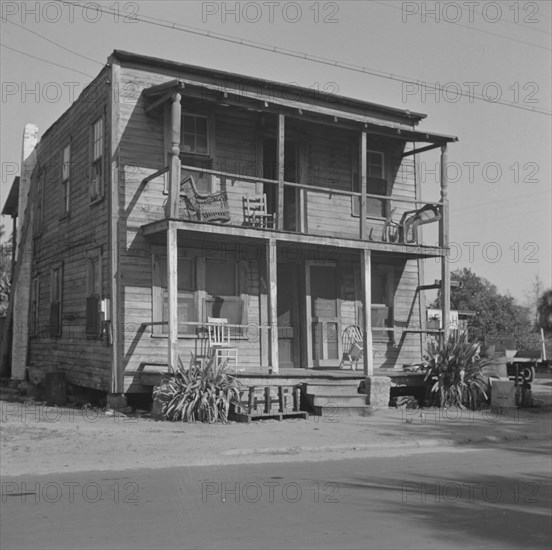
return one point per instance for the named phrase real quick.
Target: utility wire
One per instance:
(55, 43)
(473, 28)
(429, 87)
(45, 60)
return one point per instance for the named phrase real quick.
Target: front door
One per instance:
(323, 315)
(288, 317)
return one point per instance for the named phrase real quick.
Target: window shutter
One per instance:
(55, 319)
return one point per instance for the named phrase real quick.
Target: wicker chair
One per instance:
(205, 207)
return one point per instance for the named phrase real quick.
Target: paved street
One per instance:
(463, 497)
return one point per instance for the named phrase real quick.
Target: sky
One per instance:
(479, 70)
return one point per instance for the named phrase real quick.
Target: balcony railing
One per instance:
(294, 207)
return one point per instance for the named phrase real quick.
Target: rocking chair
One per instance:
(206, 207)
(406, 231)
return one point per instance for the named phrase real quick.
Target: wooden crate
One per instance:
(268, 402)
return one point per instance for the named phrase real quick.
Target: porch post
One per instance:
(174, 166)
(363, 181)
(444, 243)
(281, 158)
(272, 284)
(366, 290)
(172, 285)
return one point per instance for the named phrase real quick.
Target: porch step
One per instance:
(337, 400)
(333, 389)
(333, 414)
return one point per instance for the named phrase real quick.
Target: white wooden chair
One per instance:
(255, 211)
(220, 346)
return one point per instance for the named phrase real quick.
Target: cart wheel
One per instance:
(527, 374)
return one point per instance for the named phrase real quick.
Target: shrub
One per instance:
(201, 392)
(455, 372)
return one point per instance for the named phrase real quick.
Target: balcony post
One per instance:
(366, 290)
(444, 243)
(280, 154)
(363, 180)
(272, 284)
(174, 166)
(172, 286)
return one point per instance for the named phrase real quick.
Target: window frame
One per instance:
(66, 176)
(34, 305)
(56, 291)
(198, 294)
(38, 221)
(97, 161)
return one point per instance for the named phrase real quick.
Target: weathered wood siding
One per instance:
(70, 240)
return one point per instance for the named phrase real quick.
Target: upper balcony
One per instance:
(212, 201)
(342, 175)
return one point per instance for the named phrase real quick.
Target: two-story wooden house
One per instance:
(169, 194)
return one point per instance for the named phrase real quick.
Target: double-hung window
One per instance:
(65, 180)
(376, 184)
(56, 297)
(97, 168)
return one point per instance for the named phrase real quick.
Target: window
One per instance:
(194, 134)
(39, 203)
(382, 299)
(222, 291)
(56, 289)
(376, 184)
(65, 179)
(96, 172)
(35, 295)
(383, 296)
(187, 296)
(93, 296)
(205, 289)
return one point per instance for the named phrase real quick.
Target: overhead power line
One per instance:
(55, 43)
(45, 60)
(429, 87)
(473, 28)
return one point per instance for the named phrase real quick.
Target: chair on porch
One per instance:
(255, 212)
(205, 207)
(353, 346)
(406, 231)
(220, 346)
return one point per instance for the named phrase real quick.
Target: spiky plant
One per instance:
(201, 392)
(455, 372)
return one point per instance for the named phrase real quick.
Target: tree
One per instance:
(544, 312)
(5, 273)
(496, 314)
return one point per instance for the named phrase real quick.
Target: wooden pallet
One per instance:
(259, 403)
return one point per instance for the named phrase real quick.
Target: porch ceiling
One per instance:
(318, 113)
(198, 230)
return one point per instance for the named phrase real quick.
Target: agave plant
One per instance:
(455, 370)
(201, 392)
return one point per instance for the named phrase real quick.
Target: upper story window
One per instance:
(195, 134)
(39, 203)
(97, 172)
(65, 180)
(56, 293)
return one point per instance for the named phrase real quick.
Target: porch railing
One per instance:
(305, 208)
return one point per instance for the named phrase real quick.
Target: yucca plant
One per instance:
(455, 372)
(201, 392)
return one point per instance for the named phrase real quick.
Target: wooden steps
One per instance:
(335, 398)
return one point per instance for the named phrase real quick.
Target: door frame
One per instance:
(308, 315)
